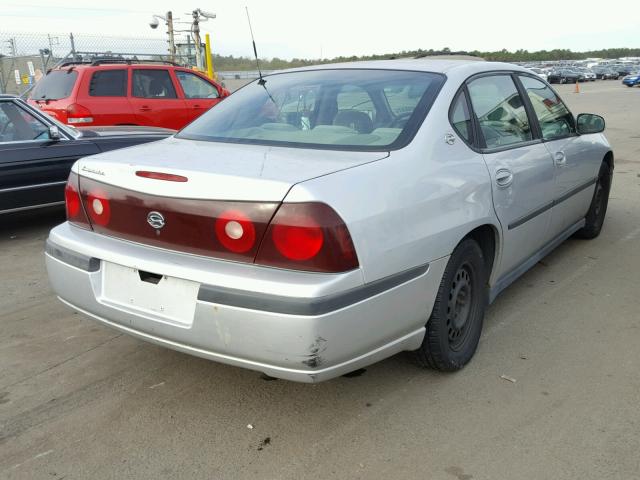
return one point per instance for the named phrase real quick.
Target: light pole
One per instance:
(199, 16)
(168, 20)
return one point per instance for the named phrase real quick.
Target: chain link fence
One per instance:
(26, 57)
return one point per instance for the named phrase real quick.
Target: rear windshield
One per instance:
(56, 85)
(330, 109)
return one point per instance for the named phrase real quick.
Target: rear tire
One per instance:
(453, 330)
(594, 219)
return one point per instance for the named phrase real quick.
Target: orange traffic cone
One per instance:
(577, 90)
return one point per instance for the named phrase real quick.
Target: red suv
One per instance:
(121, 93)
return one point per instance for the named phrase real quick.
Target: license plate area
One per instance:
(150, 294)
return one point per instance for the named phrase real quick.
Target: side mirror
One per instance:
(590, 123)
(54, 133)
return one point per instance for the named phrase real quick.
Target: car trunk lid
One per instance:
(218, 171)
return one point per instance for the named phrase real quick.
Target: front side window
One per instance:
(346, 108)
(556, 121)
(155, 84)
(500, 111)
(17, 125)
(195, 87)
(460, 117)
(108, 83)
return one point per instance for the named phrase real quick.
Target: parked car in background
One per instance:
(589, 75)
(605, 73)
(565, 75)
(632, 79)
(36, 153)
(539, 72)
(115, 92)
(623, 70)
(325, 218)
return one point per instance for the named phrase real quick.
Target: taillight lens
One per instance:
(308, 236)
(235, 231)
(73, 202)
(78, 114)
(98, 207)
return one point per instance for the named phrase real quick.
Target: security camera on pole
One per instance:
(168, 19)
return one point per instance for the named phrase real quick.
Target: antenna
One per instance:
(262, 81)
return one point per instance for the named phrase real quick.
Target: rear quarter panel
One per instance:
(412, 207)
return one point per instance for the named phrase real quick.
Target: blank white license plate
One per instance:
(171, 298)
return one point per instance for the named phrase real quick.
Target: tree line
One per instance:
(229, 62)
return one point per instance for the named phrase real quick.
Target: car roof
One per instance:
(462, 68)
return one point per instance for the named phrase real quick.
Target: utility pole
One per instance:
(172, 43)
(195, 28)
(199, 16)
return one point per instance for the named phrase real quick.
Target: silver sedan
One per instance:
(322, 219)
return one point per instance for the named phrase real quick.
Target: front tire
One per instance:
(453, 330)
(594, 219)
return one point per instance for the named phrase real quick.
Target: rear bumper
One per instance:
(293, 325)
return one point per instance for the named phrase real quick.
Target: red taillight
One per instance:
(235, 231)
(98, 207)
(300, 241)
(308, 236)
(78, 114)
(73, 202)
(169, 177)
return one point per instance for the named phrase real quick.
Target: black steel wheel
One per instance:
(454, 327)
(594, 220)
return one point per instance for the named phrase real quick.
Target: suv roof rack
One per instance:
(94, 62)
(129, 61)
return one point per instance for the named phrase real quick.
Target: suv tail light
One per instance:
(308, 236)
(73, 202)
(77, 113)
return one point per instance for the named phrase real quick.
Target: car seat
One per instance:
(358, 121)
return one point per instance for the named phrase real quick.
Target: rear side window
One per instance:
(196, 87)
(153, 84)
(556, 121)
(108, 83)
(56, 85)
(461, 118)
(500, 111)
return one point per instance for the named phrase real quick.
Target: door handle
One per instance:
(145, 108)
(559, 158)
(504, 177)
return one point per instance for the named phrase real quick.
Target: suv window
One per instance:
(108, 83)
(17, 125)
(500, 111)
(196, 87)
(153, 84)
(460, 117)
(555, 119)
(56, 85)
